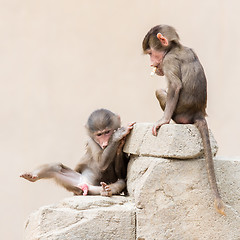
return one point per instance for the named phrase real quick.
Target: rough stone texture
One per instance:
(181, 141)
(91, 217)
(174, 200)
(169, 198)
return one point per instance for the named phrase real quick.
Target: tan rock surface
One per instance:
(181, 141)
(170, 199)
(90, 217)
(174, 201)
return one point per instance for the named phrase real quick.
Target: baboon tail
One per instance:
(218, 203)
(202, 126)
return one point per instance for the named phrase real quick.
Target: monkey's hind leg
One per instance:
(29, 176)
(114, 188)
(44, 171)
(161, 96)
(64, 176)
(106, 190)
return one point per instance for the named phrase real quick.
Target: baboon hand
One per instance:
(123, 132)
(158, 124)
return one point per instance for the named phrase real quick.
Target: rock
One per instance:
(90, 217)
(174, 200)
(170, 199)
(176, 141)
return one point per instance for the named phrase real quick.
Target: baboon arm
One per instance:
(173, 76)
(108, 155)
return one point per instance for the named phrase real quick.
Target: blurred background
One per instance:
(60, 60)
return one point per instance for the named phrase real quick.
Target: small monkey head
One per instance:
(101, 125)
(157, 42)
(160, 37)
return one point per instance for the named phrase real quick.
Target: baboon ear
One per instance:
(162, 39)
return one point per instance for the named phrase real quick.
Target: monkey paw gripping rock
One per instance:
(170, 199)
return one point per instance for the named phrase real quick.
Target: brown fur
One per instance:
(103, 169)
(186, 98)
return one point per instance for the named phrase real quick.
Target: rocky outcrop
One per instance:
(173, 199)
(91, 217)
(176, 141)
(169, 195)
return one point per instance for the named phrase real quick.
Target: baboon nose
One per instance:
(104, 145)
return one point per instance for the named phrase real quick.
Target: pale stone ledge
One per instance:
(178, 141)
(88, 217)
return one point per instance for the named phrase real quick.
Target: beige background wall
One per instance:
(60, 60)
